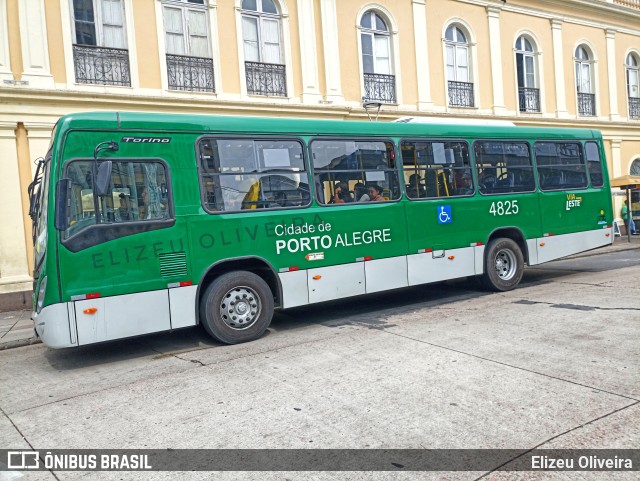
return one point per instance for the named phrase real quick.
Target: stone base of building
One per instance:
(14, 301)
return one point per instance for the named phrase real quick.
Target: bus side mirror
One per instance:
(103, 178)
(62, 204)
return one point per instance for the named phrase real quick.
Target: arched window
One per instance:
(459, 83)
(635, 167)
(188, 49)
(528, 91)
(379, 81)
(584, 81)
(633, 85)
(264, 62)
(100, 41)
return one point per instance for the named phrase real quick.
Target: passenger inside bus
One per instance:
(415, 187)
(465, 187)
(360, 192)
(341, 194)
(375, 193)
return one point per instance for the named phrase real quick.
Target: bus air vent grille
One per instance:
(173, 264)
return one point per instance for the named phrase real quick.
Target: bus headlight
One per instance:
(41, 291)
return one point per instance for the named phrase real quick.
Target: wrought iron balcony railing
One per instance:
(101, 65)
(628, 3)
(193, 74)
(634, 107)
(460, 94)
(380, 87)
(529, 99)
(267, 79)
(586, 104)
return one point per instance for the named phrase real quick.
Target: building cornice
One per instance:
(18, 106)
(591, 9)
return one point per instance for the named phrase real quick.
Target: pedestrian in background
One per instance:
(627, 217)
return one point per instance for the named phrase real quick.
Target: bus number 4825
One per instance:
(507, 207)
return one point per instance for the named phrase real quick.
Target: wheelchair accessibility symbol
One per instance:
(444, 214)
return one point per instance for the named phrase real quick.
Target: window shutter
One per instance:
(383, 64)
(462, 61)
(173, 28)
(586, 78)
(197, 27)
(367, 53)
(530, 78)
(250, 37)
(633, 83)
(112, 24)
(451, 63)
(271, 39)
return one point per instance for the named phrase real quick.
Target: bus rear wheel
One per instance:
(503, 265)
(236, 307)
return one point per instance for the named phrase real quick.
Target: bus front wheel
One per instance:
(236, 307)
(503, 265)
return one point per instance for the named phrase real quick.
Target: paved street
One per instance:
(553, 364)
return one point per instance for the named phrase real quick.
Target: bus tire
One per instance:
(503, 265)
(236, 307)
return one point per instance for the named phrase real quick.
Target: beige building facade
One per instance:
(560, 63)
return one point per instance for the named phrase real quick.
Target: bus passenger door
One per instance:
(441, 214)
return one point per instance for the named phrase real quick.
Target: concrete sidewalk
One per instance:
(16, 327)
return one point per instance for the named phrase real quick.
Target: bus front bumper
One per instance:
(52, 326)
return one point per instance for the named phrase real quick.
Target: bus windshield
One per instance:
(38, 196)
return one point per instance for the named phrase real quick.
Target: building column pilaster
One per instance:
(14, 268)
(35, 48)
(331, 52)
(5, 60)
(493, 16)
(610, 36)
(616, 157)
(422, 54)
(308, 52)
(558, 63)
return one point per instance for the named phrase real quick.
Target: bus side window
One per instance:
(246, 174)
(594, 164)
(504, 167)
(345, 170)
(444, 166)
(560, 165)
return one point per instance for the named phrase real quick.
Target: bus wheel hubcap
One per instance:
(505, 264)
(240, 308)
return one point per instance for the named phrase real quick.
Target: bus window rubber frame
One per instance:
(97, 234)
(403, 171)
(581, 143)
(218, 136)
(396, 169)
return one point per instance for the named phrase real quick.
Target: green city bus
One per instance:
(152, 222)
